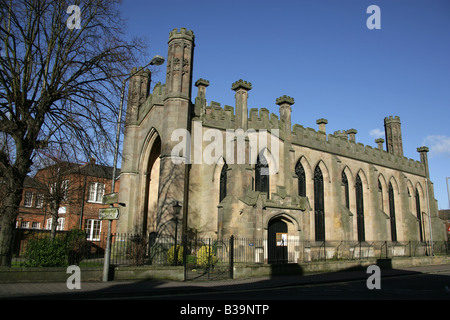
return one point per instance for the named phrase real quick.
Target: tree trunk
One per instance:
(54, 214)
(8, 218)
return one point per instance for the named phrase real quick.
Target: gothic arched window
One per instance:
(300, 172)
(419, 215)
(392, 213)
(319, 213)
(346, 192)
(380, 189)
(360, 209)
(223, 182)
(262, 175)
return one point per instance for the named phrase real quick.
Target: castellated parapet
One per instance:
(183, 33)
(341, 142)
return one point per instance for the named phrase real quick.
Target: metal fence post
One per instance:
(231, 257)
(184, 244)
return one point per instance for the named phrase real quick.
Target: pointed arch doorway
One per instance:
(150, 220)
(277, 241)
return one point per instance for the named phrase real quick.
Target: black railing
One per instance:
(217, 256)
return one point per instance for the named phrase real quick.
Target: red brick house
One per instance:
(82, 187)
(445, 215)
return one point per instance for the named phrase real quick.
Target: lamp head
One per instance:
(176, 208)
(157, 60)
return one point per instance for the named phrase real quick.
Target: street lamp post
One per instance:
(448, 192)
(176, 212)
(156, 60)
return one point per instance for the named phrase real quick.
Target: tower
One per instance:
(176, 117)
(393, 133)
(139, 88)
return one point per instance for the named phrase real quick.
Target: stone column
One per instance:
(379, 142)
(322, 122)
(351, 133)
(241, 88)
(285, 103)
(424, 159)
(200, 100)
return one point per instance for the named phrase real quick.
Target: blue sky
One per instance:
(321, 53)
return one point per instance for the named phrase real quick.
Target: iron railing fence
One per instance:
(194, 253)
(298, 251)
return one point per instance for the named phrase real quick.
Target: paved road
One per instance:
(402, 287)
(411, 283)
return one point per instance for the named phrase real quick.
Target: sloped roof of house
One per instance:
(86, 169)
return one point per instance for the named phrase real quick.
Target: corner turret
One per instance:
(393, 132)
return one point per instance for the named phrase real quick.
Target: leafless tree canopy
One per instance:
(60, 70)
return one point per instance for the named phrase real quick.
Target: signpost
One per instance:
(109, 214)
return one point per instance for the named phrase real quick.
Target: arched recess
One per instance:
(347, 192)
(277, 241)
(422, 203)
(383, 194)
(294, 225)
(360, 203)
(148, 220)
(394, 183)
(308, 176)
(281, 227)
(219, 187)
(319, 204)
(393, 209)
(363, 178)
(322, 202)
(325, 172)
(301, 179)
(262, 172)
(411, 197)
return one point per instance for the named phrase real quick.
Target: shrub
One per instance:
(137, 249)
(77, 245)
(47, 252)
(206, 257)
(171, 255)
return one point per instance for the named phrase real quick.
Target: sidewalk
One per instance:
(101, 290)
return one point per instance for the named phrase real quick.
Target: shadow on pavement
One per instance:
(345, 284)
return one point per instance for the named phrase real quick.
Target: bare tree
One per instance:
(60, 183)
(60, 69)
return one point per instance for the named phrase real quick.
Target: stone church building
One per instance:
(320, 186)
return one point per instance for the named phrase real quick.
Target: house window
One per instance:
(39, 200)
(65, 189)
(92, 228)
(96, 191)
(60, 225)
(28, 199)
(25, 225)
(35, 225)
